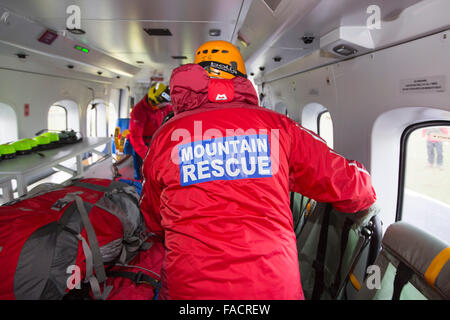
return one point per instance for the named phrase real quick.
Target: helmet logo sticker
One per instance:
(221, 97)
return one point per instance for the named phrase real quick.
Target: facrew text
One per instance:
(226, 309)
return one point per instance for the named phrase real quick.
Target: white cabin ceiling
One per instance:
(321, 17)
(116, 27)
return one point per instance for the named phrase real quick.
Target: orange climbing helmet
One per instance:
(221, 59)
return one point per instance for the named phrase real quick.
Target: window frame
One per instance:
(91, 122)
(403, 156)
(319, 116)
(65, 110)
(16, 121)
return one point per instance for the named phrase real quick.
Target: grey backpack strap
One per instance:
(92, 253)
(92, 237)
(93, 281)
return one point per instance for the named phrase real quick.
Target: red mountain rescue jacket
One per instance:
(217, 181)
(145, 120)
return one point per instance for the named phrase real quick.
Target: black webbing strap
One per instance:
(306, 214)
(403, 275)
(319, 262)
(222, 67)
(344, 241)
(136, 277)
(291, 200)
(296, 212)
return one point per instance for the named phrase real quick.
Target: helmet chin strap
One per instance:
(152, 104)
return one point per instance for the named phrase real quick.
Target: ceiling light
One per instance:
(21, 55)
(344, 50)
(308, 38)
(82, 49)
(214, 32)
(277, 59)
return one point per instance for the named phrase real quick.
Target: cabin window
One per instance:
(325, 127)
(101, 119)
(424, 197)
(57, 118)
(112, 119)
(8, 124)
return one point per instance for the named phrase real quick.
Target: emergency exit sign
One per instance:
(48, 37)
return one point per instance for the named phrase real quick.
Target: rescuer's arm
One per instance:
(150, 197)
(319, 173)
(137, 125)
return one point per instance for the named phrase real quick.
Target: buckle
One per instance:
(138, 278)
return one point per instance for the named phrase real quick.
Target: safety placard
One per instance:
(436, 84)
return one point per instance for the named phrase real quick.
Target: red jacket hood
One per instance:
(192, 88)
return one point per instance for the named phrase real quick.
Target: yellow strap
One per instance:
(355, 282)
(436, 266)
(308, 208)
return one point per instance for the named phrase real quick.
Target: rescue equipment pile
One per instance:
(44, 141)
(88, 236)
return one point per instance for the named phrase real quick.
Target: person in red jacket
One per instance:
(146, 117)
(434, 142)
(217, 179)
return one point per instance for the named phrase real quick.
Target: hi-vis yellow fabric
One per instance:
(436, 266)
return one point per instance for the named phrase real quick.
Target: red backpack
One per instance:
(51, 241)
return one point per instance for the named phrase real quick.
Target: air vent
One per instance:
(272, 4)
(158, 32)
(179, 57)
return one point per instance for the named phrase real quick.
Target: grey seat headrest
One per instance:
(426, 255)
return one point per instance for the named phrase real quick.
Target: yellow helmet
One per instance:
(221, 59)
(159, 93)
